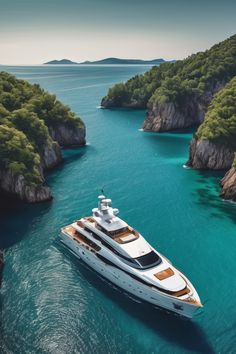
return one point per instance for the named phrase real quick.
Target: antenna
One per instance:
(102, 191)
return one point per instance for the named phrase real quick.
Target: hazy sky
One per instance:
(32, 32)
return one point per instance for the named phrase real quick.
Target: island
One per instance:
(196, 91)
(109, 61)
(117, 61)
(61, 62)
(34, 126)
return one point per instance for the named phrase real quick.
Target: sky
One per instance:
(33, 32)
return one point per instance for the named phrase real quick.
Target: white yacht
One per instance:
(120, 254)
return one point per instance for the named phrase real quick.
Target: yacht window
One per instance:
(148, 260)
(86, 240)
(99, 227)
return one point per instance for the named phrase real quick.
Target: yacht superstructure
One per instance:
(120, 254)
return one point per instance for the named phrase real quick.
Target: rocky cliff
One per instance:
(205, 154)
(16, 185)
(214, 144)
(117, 103)
(228, 184)
(66, 135)
(50, 156)
(168, 116)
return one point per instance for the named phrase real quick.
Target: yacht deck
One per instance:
(126, 236)
(120, 237)
(81, 239)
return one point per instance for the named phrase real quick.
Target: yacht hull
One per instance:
(128, 284)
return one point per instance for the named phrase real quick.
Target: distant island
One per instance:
(109, 61)
(125, 61)
(61, 62)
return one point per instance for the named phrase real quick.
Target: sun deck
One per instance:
(123, 236)
(80, 238)
(126, 236)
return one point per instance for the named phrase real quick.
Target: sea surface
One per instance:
(51, 303)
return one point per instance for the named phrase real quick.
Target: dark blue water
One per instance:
(50, 302)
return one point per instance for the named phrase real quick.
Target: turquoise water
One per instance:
(53, 304)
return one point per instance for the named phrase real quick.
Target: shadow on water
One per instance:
(184, 333)
(69, 156)
(23, 213)
(208, 195)
(168, 144)
(8, 203)
(173, 133)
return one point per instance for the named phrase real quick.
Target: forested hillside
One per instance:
(220, 121)
(29, 120)
(177, 94)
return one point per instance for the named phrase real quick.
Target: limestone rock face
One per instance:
(50, 156)
(205, 154)
(67, 136)
(228, 184)
(16, 185)
(167, 116)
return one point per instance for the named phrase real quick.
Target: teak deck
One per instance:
(119, 237)
(164, 274)
(81, 238)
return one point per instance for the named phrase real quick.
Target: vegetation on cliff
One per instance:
(214, 144)
(220, 120)
(177, 82)
(18, 154)
(27, 113)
